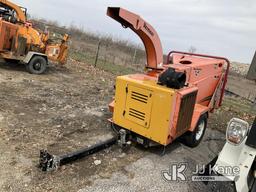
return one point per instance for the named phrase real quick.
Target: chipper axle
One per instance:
(50, 162)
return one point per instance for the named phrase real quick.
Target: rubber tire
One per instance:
(253, 189)
(37, 59)
(189, 138)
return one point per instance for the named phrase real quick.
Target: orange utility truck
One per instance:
(21, 42)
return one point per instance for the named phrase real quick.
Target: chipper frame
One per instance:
(169, 100)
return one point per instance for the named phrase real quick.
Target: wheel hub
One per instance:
(37, 66)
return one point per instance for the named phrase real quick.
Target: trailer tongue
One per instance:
(48, 162)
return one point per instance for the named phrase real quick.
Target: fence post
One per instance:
(254, 104)
(134, 56)
(97, 54)
(114, 58)
(105, 56)
(125, 60)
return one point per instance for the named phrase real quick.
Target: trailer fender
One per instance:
(198, 112)
(31, 54)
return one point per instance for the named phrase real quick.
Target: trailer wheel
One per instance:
(37, 65)
(193, 139)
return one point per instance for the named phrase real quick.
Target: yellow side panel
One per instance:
(144, 108)
(138, 105)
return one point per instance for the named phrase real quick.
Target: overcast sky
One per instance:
(218, 27)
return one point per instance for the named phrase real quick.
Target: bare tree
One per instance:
(192, 49)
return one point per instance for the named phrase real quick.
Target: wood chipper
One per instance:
(20, 42)
(170, 100)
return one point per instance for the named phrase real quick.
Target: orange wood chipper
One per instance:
(20, 42)
(170, 100)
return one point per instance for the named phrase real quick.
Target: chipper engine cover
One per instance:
(170, 99)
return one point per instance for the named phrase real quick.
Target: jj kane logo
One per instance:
(178, 172)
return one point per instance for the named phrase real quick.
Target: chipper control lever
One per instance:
(48, 162)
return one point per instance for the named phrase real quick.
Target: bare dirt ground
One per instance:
(66, 109)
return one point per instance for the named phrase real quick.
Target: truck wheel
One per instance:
(193, 139)
(37, 65)
(254, 186)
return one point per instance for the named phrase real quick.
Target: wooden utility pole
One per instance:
(252, 71)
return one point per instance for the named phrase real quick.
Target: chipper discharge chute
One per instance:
(170, 100)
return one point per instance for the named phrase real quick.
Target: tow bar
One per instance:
(48, 162)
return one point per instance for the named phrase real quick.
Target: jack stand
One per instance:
(164, 150)
(50, 162)
(122, 142)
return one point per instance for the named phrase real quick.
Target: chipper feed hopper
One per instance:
(21, 42)
(170, 100)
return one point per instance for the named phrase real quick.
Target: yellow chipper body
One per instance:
(140, 105)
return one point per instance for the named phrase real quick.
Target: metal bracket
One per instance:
(122, 142)
(48, 162)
